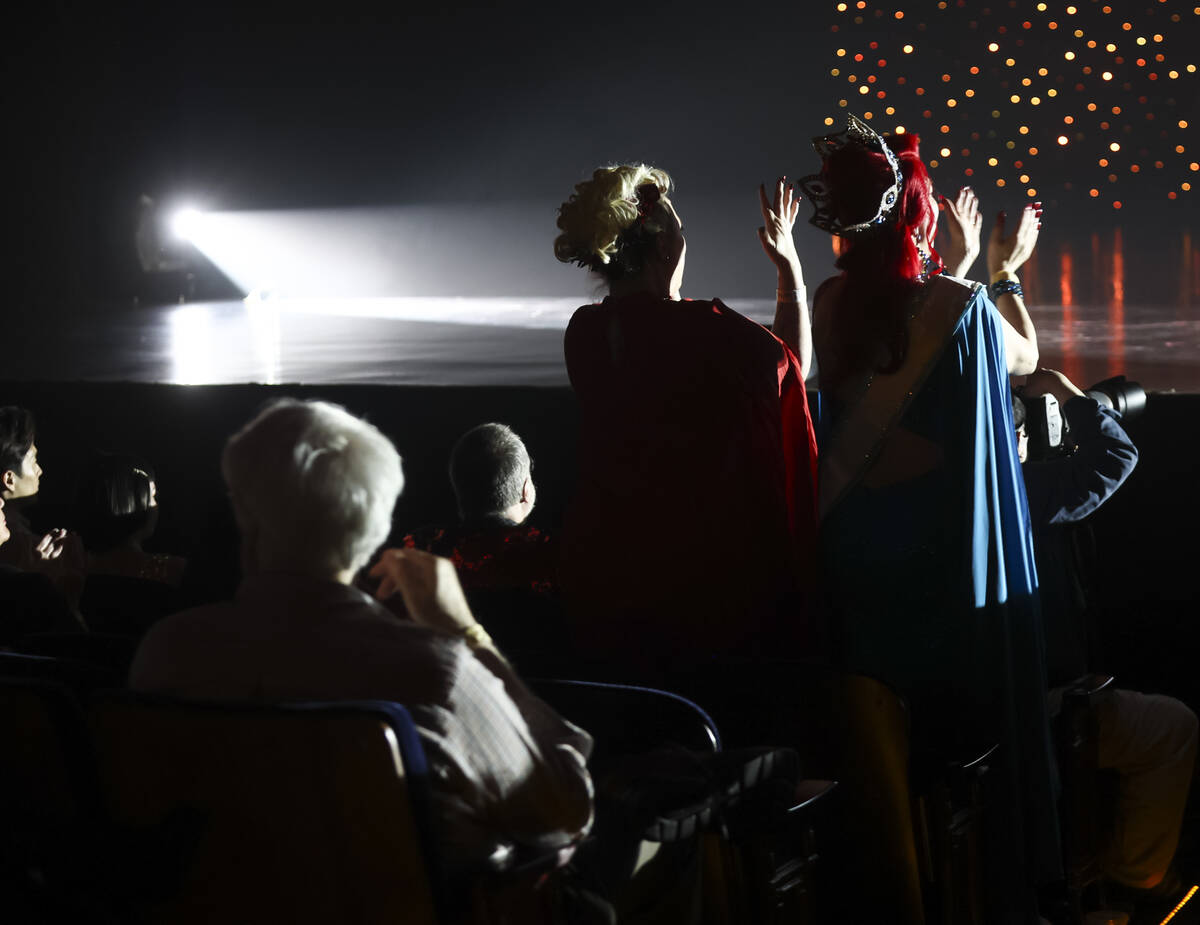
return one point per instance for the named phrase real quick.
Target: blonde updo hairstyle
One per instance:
(610, 222)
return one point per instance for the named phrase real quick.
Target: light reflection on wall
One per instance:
(226, 342)
(1116, 312)
(1070, 356)
(192, 345)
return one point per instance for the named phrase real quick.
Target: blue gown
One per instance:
(933, 587)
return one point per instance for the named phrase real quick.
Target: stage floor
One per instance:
(488, 342)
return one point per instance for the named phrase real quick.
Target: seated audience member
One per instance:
(58, 553)
(127, 588)
(313, 489)
(492, 546)
(1148, 739)
(30, 602)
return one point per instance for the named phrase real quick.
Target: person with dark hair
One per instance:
(21, 479)
(30, 602)
(691, 532)
(1149, 740)
(925, 537)
(117, 509)
(493, 546)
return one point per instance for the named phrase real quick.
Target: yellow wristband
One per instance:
(477, 637)
(1003, 274)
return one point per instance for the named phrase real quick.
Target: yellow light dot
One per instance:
(995, 113)
(1035, 100)
(829, 120)
(899, 129)
(951, 103)
(945, 152)
(1009, 62)
(1024, 130)
(1185, 186)
(1025, 81)
(907, 49)
(1173, 74)
(1070, 56)
(1014, 99)
(1078, 33)
(992, 162)
(1191, 69)
(1141, 40)
(1183, 123)
(1051, 92)
(841, 7)
(836, 72)
(993, 47)
(1110, 47)
(1114, 147)
(1062, 139)
(864, 89)
(1031, 192)
(1010, 145)
(1024, 178)
(1041, 7)
(969, 93)
(1107, 75)
(1071, 11)
(1091, 107)
(1042, 72)
(841, 52)
(891, 110)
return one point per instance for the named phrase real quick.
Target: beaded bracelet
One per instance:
(1006, 287)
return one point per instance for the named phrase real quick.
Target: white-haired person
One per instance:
(691, 532)
(313, 489)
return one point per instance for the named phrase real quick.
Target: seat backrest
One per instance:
(626, 719)
(47, 776)
(298, 813)
(80, 676)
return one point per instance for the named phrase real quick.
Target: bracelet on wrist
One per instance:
(1006, 287)
(477, 637)
(1003, 274)
(790, 295)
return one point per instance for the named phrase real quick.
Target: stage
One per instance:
(494, 342)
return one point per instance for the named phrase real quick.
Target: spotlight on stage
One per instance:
(185, 223)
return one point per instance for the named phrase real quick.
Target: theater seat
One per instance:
(268, 813)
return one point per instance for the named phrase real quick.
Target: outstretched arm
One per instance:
(792, 325)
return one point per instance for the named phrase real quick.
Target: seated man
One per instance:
(313, 489)
(493, 546)
(1149, 740)
(20, 478)
(30, 602)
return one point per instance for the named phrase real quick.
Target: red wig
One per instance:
(883, 268)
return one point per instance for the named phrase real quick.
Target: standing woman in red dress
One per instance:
(691, 533)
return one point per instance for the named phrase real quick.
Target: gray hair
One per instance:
(488, 468)
(316, 483)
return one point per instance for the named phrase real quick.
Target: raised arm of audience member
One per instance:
(1069, 488)
(791, 325)
(553, 804)
(1006, 255)
(964, 223)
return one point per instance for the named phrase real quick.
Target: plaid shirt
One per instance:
(504, 767)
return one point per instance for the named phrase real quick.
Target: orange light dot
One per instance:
(1103, 162)
(1183, 123)
(1033, 152)
(969, 93)
(1116, 203)
(974, 69)
(1000, 182)
(1193, 166)
(944, 129)
(1185, 186)
(1069, 120)
(951, 103)
(1171, 195)
(1031, 192)
(1179, 149)
(1093, 193)
(1134, 168)
(829, 120)
(899, 14)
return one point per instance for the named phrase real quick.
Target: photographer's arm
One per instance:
(1067, 490)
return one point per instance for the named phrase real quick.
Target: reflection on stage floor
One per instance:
(486, 342)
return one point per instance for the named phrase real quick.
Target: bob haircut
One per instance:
(315, 484)
(115, 501)
(16, 437)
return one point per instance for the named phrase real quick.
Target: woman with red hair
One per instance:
(925, 540)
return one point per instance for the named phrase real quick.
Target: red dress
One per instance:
(694, 515)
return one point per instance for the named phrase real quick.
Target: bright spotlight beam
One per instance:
(185, 223)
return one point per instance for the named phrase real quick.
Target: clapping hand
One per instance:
(964, 222)
(429, 585)
(1008, 253)
(776, 232)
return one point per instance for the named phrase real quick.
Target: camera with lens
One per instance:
(1047, 428)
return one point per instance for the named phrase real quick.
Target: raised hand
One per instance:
(1008, 253)
(964, 222)
(429, 585)
(776, 232)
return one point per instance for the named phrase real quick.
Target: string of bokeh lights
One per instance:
(1064, 99)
